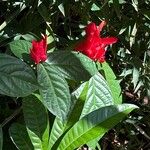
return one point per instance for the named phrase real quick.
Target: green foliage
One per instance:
(21, 138)
(72, 65)
(17, 78)
(100, 120)
(98, 95)
(20, 47)
(113, 83)
(54, 91)
(36, 121)
(81, 99)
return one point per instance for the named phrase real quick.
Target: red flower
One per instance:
(38, 50)
(94, 45)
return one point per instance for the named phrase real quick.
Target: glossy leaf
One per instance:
(1, 138)
(20, 47)
(113, 83)
(54, 90)
(20, 138)
(98, 95)
(72, 65)
(16, 78)
(37, 124)
(94, 124)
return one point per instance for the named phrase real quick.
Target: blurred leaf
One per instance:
(44, 12)
(133, 34)
(100, 120)
(61, 8)
(135, 76)
(20, 47)
(17, 78)
(11, 17)
(72, 65)
(20, 138)
(117, 8)
(54, 90)
(37, 124)
(95, 7)
(1, 138)
(113, 83)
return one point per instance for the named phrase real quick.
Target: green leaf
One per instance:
(20, 138)
(77, 104)
(78, 100)
(98, 95)
(61, 8)
(93, 125)
(72, 65)
(20, 47)
(94, 142)
(57, 130)
(95, 7)
(37, 124)
(54, 90)
(17, 79)
(113, 83)
(1, 138)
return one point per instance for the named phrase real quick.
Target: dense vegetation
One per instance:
(63, 21)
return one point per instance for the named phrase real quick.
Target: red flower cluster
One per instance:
(38, 50)
(94, 45)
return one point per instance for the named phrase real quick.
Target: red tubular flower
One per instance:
(93, 45)
(38, 50)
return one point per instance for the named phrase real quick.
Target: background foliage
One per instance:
(64, 21)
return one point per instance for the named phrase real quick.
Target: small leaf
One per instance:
(20, 138)
(72, 65)
(113, 83)
(133, 34)
(95, 7)
(20, 48)
(61, 8)
(54, 90)
(135, 75)
(17, 79)
(93, 125)
(37, 124)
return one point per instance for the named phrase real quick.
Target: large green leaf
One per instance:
(36, 119)
(54, 90)
(98, 95)
(16, 78)
(113, 83)
(93, 125)
(72, 65)
(20, 138)
(20, 47)
(1, 138)
(59, 127)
